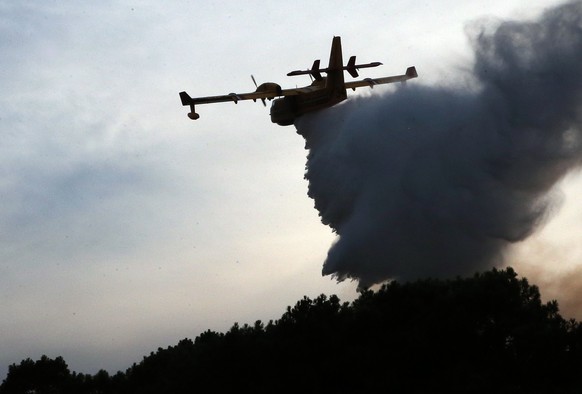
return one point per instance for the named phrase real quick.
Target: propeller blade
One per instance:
(257, 86)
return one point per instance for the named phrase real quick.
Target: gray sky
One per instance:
(124, 226)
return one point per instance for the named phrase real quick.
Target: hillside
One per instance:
(488, 333)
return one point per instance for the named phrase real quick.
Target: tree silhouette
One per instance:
(44, 376)
(488, 333)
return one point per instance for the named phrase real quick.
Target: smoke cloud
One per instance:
(439, 181)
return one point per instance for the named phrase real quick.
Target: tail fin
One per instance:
(315, 70)
(351, 67)
(335, 71)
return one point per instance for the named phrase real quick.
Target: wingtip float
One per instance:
(289, 104)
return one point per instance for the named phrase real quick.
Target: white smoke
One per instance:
(437, 182)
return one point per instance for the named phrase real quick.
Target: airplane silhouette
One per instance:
(323, 92)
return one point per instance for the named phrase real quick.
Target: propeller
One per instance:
(256, 86)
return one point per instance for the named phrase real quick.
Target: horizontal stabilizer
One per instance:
(314, 71)
(351, 68)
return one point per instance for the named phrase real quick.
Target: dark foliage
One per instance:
(486, 334)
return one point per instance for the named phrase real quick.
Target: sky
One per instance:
(125, 227)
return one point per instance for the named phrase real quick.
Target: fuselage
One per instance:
(285, 110)
(320, 94)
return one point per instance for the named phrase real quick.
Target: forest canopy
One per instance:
(487, 333)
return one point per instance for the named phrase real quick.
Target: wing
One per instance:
(268, 94)
(267, 91)
(371, 82)
(235, 97)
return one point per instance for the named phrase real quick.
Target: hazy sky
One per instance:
(124, 226)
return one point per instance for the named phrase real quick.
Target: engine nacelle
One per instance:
(193, 115)
(269, 87)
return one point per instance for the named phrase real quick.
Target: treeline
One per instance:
(486, 334)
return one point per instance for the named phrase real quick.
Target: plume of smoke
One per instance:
(435, 181)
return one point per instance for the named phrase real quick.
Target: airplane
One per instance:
(323, 92)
